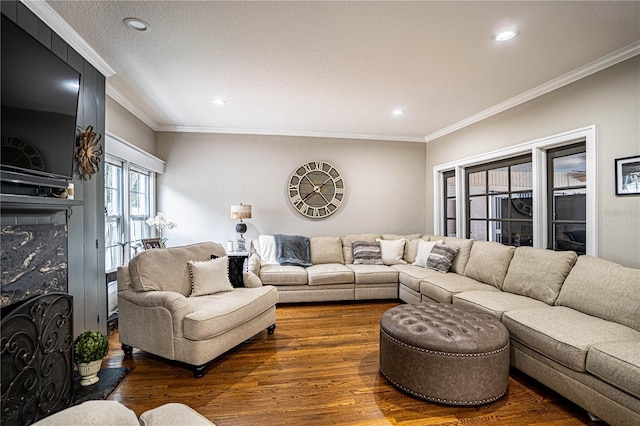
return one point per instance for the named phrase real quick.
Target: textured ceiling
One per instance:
(339, 68)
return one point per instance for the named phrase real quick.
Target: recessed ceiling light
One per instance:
(136, 24)
(399, 112)
(506, 35)
(219, 101)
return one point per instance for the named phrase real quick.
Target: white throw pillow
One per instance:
(267, 250)
(210, 276)
(392, 251)
(424, 249)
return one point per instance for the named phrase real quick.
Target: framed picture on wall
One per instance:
(628, 176)
(152, 243)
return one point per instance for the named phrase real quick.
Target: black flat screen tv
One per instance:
(39, 110)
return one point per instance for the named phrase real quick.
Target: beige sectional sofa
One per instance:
(574, 320)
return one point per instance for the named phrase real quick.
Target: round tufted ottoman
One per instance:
(444, 353)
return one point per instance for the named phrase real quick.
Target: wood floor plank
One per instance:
(319, 368)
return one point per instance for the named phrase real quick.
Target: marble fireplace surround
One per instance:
(34, 261)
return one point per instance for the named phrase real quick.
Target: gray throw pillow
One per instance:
(366, 253)
(441, 257)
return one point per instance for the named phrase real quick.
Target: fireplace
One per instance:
(37, 364)
(37, 315)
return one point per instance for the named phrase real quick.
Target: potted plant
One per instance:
(88, 350)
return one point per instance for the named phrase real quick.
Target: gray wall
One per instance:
(127, 126)
(206, 173)
(609, 99)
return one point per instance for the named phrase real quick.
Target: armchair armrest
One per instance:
(175, 303)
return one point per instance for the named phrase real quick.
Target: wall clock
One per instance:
(523, 205)
(316, 189)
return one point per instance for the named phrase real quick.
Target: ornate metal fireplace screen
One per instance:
(37, 364)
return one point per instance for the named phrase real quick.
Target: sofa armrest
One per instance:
(253, 264)
(251, 280)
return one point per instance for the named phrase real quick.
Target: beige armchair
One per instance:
(159, 313)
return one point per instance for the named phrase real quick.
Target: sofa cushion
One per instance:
(563, 334)
(441, 257)
(92, 413)
(423, 252)
(407, 237)
(411, 249)
(367, 253)
(283, 275)
(495, 303)
(210, 276)
(617, 363)
(489, 262)
(166, 269)
(348, 240)
(524, 275)
(411, 275)
(216, 314)
(392, 251)
(464, 250)
(374, 274)
(329, 273)
(326, 250)
(603, 289)
(172, 414)
(441, 287)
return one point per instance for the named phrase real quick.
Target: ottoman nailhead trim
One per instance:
(415, 348)
(440, 400)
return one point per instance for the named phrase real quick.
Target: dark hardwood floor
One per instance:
(319, 368)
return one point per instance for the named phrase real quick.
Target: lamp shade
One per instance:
(241, 211)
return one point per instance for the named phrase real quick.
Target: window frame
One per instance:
(127, 167)
(493, 222)
(537, 148)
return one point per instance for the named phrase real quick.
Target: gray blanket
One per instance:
(293, 250)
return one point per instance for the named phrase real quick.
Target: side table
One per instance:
(236, 267)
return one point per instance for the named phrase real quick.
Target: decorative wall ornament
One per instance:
(316, 189)
(88, 152)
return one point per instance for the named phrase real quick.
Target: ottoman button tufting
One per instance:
(451, 355)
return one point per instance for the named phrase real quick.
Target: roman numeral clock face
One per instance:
(316, 189)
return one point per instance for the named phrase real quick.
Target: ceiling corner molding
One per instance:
(326, 135)
(50, 17)
(126, 104)
(600, 64)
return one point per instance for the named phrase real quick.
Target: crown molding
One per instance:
(606, 61)
(50, 17)
(129, 106)
(236, 131)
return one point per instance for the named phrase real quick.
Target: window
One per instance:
(450, 203)
(500, 202)
(113, 214)
(125, 222)
(567, 197)
(540, 193)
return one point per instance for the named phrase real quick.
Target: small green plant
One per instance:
(90, 346)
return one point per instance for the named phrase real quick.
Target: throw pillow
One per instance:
(424, 249)
(267, 250)
(392, 251)
(441, 257)
(366, 253)
(209, 277)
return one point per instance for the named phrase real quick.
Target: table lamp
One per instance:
(241, 211)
